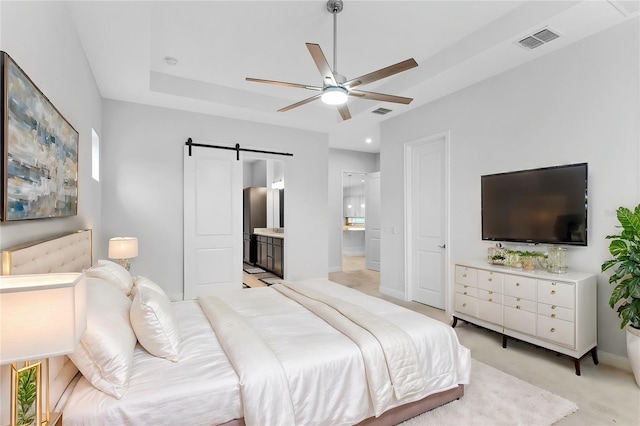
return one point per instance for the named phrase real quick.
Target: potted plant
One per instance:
(625, 249)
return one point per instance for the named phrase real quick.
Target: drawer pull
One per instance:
(553, 315)
(553, 306)
(490, 292)
(490, 300)
(517, 284)
(464, 305)
(553, 283)
(553, 292)
(464, 292)
(490, 279)
(553, 330)
(517, 306)
(464, 275)
(518, 299)
(466, 286)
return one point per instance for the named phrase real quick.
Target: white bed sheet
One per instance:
(200, 389)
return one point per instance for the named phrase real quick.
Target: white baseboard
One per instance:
(391, 292)
(614, 360)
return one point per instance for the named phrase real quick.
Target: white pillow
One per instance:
(105, 352)
(153, 320)
(112, 272)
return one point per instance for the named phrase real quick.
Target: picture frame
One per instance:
(39, 151)
(26, 398)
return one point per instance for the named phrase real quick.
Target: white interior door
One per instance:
(426, 187)
(212, 221)
(372, 222)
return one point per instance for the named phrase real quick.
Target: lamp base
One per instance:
(124, 263)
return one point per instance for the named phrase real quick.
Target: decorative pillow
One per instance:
(112, 272)
(105, 352)
(153, 320)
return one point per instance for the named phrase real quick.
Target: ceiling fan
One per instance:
(336, 89)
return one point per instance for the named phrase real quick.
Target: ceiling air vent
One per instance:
(381, 111)
(538, 39)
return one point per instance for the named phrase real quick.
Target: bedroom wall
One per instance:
(143, 189)
(578, 104)
(40, 37)
(342, 160)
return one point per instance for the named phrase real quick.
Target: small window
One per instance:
(95, 156)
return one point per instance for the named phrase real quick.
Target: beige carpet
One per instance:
(497, 398)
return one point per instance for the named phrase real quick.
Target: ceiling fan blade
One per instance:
(283, 83)
(344, 112)
(322, 64)
(297, 104)
(382, 73)
(380, 97)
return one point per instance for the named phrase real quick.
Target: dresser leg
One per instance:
(576, 362)
(504, 340)
(594, 355)
(455, 322)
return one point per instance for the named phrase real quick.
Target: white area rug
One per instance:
(254, 270)
(497, 398)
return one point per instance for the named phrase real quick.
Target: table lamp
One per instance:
(123, 249)
(41, 316)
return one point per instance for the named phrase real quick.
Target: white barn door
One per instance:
(212, 221)
(372, 222)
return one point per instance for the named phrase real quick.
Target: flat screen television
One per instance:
(546, 205)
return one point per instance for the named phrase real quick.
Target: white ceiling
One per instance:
(219, 43)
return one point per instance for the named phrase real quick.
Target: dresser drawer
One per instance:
(520, 287)
(556, 293)
(491, 281)
(489, 296)
(520, 303)
(467, 276)
(556, 330)
(520, 320)
(466, 304)
(490, 311)
(466, 289)
(555, 311)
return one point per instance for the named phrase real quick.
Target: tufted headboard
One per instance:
(66, 253)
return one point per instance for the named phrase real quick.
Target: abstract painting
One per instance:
(39, 151)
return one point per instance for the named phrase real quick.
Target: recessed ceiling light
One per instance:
(170, 60)
(368, 140)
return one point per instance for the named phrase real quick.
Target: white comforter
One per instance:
(326, 379)
(324, 368)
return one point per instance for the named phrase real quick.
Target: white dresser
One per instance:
(554, 311)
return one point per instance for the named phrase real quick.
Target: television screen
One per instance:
(547, 205)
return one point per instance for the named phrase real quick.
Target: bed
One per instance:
(269, 356)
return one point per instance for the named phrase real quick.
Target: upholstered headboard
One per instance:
(66, 253)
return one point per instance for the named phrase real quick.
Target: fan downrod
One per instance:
(335, 6)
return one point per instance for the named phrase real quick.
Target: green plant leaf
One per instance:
(620, 292)
(625, 249)
(618, 248)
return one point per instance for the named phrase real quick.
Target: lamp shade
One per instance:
(123, 248)
(41, 315)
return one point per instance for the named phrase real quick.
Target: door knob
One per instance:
(442, 246)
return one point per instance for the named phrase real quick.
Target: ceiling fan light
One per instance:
(334, 95)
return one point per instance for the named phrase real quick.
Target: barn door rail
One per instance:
(237, 149)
